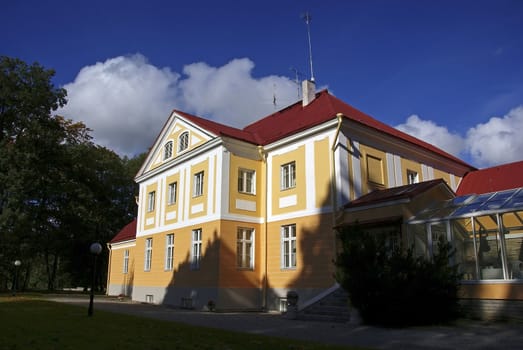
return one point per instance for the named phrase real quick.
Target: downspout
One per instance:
(108, 269)
(265, 282)
(333, 172)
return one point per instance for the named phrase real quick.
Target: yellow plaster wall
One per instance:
(182, 273)
(237, 163)
(176, 130)
(438, 174)
(407, 164)
(298, 156)
(171, 208)
(230, 275)
(151, 214)
(200, 200)
(373, 169)
(116, 274)
(501, 291)
(314, 253)
(322, 173)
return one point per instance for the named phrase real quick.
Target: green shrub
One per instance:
(390, 286)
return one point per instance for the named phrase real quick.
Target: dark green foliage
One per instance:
(60, 192)
(392, 287)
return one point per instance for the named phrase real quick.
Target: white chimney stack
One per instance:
(308, 88)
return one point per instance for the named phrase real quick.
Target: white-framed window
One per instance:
(126, 261)
(288, 246)
(288, 176)
(150, 200)
(245, 248)
(246, 181)
(412, 177)
(169, 251)
(171, 192)
(198, 184)
(183, 141)
(168, 150)
(148, 254)
(196, 251)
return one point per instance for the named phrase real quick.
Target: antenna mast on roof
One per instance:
(307, 17)
(297, 79)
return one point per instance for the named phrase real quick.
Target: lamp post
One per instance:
(17, 264)
(95, 249)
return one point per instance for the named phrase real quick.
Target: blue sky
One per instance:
(449, 72)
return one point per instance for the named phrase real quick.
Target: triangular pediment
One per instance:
(178, 137)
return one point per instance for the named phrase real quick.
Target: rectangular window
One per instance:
(244, 248)
(288, 176)
(375, 170)
(412, 177)
(171, 195)
(126, 261)
(246, 181)
(169, 251)
(196, 251)
(288, 246)
(150, 201)
(148, 254)
(198, 184)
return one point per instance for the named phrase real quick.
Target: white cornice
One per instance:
(181, 159)
(302, 134)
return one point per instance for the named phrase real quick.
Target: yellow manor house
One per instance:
(236, 218)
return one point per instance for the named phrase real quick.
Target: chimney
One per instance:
(308, 88)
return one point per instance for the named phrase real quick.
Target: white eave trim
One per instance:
(181, 159)
(377, 205)
(307, 132)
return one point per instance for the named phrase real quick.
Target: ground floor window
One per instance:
(288, 246)
(244, 248)
(196, 251)
(148, 254)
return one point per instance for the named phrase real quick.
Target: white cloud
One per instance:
(231, 93)
(126, 100)
(434, 134)
(497, 141)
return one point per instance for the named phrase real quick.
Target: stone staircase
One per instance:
(332, 308)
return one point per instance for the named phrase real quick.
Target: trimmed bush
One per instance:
(391, 287)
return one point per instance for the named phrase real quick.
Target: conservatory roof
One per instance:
(472, 205)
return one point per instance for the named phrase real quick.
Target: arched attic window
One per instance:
(183, 141)
(168, 150)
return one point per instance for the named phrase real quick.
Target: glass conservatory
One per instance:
(486, 231)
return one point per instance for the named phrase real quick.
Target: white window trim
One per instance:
(289, 252)
(169, 252)
(151, 198)
(288, 178)
(172, 190)
(196, 248)
(415, 177)
(198, 184)
(148, 254)
(168, 150)
(183, 141)
(242, 181)
(244, 242)
(126, 261)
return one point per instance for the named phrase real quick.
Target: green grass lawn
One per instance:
(29, 323)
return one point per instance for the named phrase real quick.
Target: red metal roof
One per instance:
(126, 234)
(217, 128)
(296, 118)
(324, 107)
(395, 193)
(498, 178)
